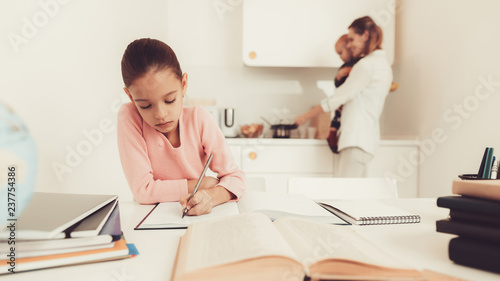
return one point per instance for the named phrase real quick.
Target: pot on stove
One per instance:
(282, 131)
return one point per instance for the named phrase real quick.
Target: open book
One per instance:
(251, 247)
(168, 214)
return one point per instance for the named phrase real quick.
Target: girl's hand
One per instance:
(206, 182)
(201, 203)
(205, 199)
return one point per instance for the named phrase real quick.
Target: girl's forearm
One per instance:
(219, 195)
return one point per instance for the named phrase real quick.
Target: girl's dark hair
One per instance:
(375, 34)
(144, 55)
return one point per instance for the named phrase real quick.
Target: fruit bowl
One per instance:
(252, 130)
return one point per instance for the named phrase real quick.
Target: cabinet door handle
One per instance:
(252, 155)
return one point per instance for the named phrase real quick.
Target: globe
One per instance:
(18, 165)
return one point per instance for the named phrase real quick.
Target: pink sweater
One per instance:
(157, 172)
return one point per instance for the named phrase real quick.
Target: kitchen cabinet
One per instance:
(398, 159)
(302, 33)
(279, 159)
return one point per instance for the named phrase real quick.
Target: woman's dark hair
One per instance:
(375, 34)
(144, 55)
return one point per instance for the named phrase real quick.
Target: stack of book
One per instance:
(58, 229)
(475, 218)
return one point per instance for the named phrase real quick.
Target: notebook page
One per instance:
(169, 214)
(276, 205)
(366, 208)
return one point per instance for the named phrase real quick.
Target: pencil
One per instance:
(198, 183)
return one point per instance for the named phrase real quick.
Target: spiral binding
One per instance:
(389, 220)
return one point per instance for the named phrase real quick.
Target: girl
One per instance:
(362, 96)
(163, 146)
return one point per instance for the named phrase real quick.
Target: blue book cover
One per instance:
(470, 204)
(474, 253)
(471, 230)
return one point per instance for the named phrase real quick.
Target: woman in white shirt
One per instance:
(363, 96)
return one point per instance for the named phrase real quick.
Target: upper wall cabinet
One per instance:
(302, 33)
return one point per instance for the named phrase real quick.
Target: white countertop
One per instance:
(292, 141)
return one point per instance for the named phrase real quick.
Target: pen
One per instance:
(198, 183)
(494, 169)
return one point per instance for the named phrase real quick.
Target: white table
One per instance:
(417, 244)
(420, 245)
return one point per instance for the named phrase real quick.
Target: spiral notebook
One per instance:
(368, 212)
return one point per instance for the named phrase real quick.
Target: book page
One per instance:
(313, 242)
(276, 206)
(169, 215)
(236, 238)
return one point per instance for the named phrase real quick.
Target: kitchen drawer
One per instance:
(278, 183)
(394, 161)
(287, 159)
(278, 159)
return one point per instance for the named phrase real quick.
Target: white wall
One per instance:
(445, 49)
(65, 80)
(60, 69)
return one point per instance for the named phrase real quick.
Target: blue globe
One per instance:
(18, 165)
